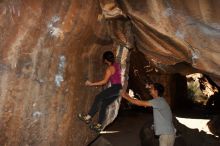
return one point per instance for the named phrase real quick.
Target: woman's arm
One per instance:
(103, 81)
(135, 101)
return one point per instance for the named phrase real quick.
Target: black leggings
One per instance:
(103, 99)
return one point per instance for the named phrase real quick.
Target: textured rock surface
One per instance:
(170, 32)
(47, 51)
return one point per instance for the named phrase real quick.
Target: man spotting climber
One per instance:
(163, 125)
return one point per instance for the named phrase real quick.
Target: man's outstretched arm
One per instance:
(135, 101)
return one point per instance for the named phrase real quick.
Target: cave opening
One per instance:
(203, 92)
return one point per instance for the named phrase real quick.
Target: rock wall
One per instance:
(48, 49)
(169, 32)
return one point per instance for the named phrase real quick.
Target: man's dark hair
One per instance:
(159, 88)
(109, 56)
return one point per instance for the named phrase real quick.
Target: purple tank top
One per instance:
(116, 77)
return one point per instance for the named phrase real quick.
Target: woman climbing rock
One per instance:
(107, 96)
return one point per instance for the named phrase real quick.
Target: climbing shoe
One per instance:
(83, 118)
(96, 127)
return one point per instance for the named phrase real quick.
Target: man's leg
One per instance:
(167, 140)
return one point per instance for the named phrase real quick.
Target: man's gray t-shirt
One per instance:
(162, 116)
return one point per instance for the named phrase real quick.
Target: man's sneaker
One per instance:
(96, 127)
(82, 117)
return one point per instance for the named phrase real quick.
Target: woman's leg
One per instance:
(103, 109)
(111, 94)
(96, 104)
(106, 94)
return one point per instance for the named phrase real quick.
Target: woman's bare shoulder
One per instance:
(112, 69)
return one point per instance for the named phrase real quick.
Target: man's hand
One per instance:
(123, 94)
